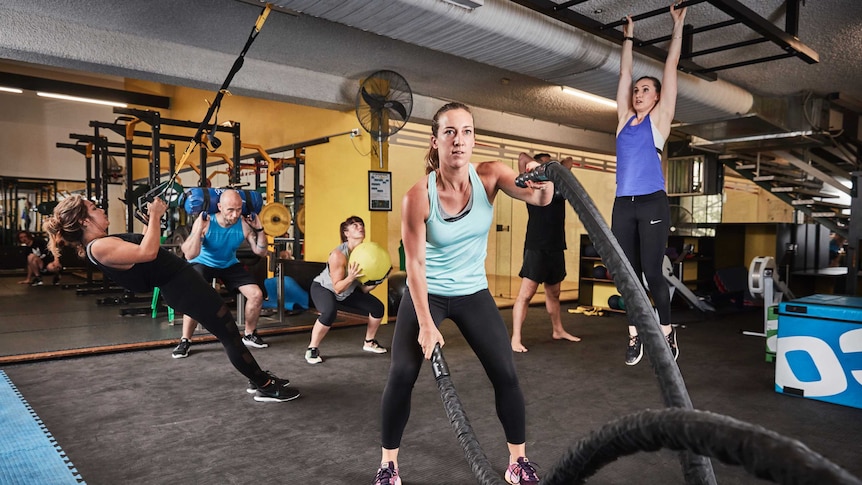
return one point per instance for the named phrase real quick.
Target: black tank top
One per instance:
(546, 226)
(142, 277)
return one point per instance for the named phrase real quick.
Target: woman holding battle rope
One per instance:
(445, 221)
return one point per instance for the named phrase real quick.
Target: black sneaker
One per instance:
(252, 387)
(671, 341)
(182, 350)
(56, 280)
(253, 340)
(37, 282)
(635, 350)
(276, 391)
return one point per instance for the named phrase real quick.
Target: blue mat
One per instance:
(28, 452)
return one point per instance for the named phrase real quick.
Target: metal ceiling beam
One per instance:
(811, 171)
(570, 17)
(782, 39)
(739, 13)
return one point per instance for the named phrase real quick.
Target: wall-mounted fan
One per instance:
(383, 105)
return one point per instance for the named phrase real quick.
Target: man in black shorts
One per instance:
(211, 248)
(544, 259)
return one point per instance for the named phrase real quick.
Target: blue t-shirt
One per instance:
(455, 251)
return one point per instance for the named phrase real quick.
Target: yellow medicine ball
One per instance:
(373, 261)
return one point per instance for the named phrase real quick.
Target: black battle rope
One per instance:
(696, 469)
(697, 434)
(479, 463)
(763, 453)
(159, 190)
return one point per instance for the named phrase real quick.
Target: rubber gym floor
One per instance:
(139, 416)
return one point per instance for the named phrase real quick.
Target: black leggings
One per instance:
(358, 302)
(480, 322)
(189, 294)
(641, 224)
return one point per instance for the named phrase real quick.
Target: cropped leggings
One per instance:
(188, 293)
(641, 224)
(480, 322)
(358, 302)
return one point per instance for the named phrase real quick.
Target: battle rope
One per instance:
(696, 469)
(763, 453)
(476, 458)
(697, 434)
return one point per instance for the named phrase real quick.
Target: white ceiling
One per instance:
(501, 57)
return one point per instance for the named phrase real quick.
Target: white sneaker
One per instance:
(312, 355)
(373, 346)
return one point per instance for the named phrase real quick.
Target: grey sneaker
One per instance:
(182, 350)
(312, 355)
(635, 350)
(253, 340)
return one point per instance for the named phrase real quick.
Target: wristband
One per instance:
(629, 38)
(256, 230)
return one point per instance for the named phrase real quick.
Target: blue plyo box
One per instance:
(819, 349)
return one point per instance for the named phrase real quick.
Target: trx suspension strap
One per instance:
(160, 189)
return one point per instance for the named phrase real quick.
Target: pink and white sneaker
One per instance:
(522, 473)
(388, 475)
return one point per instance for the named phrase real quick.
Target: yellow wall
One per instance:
(746, 202)
(760, 240)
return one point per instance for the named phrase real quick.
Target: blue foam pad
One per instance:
(28, 452)
(295, 297)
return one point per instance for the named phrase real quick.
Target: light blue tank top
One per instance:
(638, 160)
(218, 249)
(455, 251)
(325, 279)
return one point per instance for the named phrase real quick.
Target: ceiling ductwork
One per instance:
(511, 37)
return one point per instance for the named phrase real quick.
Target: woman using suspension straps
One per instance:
(445, 221)
(138, 263)
(641, 214)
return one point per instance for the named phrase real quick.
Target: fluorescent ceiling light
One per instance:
(468, 4)
(590, 97)
(10, 90)
(82, 100)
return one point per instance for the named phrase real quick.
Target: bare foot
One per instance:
(518, 347)
(565, 336)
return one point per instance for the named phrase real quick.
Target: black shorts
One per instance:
(547, 267)
(232, 277)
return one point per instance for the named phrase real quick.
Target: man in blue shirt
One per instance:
(211, 248)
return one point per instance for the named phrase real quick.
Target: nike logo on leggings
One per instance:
(654, 221)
